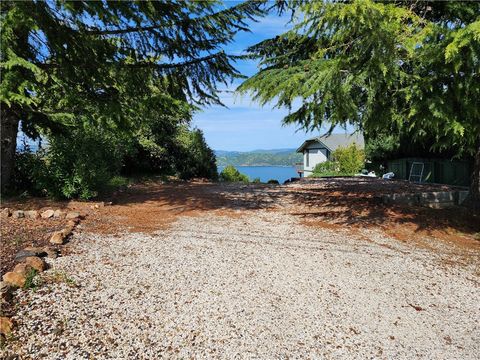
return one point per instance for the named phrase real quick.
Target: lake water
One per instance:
(265, 173)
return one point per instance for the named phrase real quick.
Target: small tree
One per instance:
(346, 161)
(350, 159)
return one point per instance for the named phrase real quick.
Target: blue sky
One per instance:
(245, 125)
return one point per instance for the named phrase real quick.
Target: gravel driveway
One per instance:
(257, 285)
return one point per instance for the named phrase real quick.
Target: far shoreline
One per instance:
(257, 165)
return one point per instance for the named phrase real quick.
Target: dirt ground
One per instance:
(16, 234)
(347, 203)
(313, 269)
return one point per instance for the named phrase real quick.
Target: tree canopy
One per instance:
(381, 66)
(70, 64)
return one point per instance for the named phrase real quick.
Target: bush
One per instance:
(230, 174)
(273, 181)
(350, 159)
(28, 173)
(327, 168)
(347, 161)
(80, 164)
(256, 181)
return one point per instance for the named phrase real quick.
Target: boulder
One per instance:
(6, 326)
(72, 215)
(32, 214)
(29, 251)
(14, 279)
(36, 263)
(57, 238)
(21, 269)
(58, 214)
(6, 212)
(47, 214)
(18, 214)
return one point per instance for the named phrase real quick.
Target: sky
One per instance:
(245, 125)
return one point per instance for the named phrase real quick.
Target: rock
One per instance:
(58, 214)
(22, 269)
(14, 278)
(18, 214)
(32, 214)
(5, 292)
(6, 212)
(29, 251)
(72, 215)
(36, 263)
(73, 222)
(66, 231)
(57, 238)
(6, 325)
(47, 214)
(99, 205)
(51, 253)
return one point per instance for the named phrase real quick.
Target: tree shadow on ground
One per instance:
(353, 202)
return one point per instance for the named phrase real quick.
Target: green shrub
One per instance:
(230, 174)
(273, 181)
(81, 164)
(350, 159)
(30, 279)
(327, 168)
(29, 170)
(256, 181)
(347, 161)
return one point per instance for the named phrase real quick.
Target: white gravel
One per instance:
(257, 286)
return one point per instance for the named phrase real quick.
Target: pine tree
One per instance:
(62, 61)
(410, 65)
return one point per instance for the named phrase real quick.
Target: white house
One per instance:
(320, 148)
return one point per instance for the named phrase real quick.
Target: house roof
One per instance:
(334, 141)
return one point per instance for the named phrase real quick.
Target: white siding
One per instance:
(315, 154)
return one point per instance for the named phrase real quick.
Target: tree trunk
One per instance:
(8, 138)
(473, 200)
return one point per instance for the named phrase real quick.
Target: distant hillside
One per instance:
(275, 157)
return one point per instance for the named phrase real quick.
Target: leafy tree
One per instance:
(350, 159)
(195, 158)
(379, 64)
(346, 161)
(104, 62)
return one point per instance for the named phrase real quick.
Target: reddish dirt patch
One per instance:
(151, 206)
(357, 203)
(348, 203)
(17, 234)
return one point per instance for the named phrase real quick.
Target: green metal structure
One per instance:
(441, 171)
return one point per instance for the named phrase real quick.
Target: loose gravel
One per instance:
(260, 285)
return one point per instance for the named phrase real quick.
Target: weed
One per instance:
(30, 282)
(60, 277)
